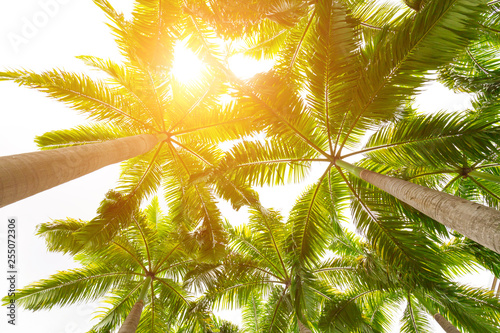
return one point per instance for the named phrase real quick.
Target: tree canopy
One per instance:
(339, 96)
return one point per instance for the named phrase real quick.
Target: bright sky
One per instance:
(42, 35)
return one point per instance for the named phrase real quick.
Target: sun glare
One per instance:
(246, 67)
(187, 67)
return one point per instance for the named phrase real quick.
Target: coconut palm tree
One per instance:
(138, 276)
(27, 174)
(284, 279)
(275, 260)
(134, 101)
(338, 78)
(259, 266)
(477, 69)
(450, 304)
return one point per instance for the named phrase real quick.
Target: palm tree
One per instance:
(471, 310)
(279, 274)
(268, 260)
(139, 272)
(477, 68)
(139, 100)
(358, 79)
(27, 174)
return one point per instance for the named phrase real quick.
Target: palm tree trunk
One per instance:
(493, 285)
(132, 321)
(445, 324)
(27, 174)
(303, 328)
(475, 221)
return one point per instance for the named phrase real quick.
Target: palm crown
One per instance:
(359, 80)
(149, 255)
(342, 70)
(140, 95)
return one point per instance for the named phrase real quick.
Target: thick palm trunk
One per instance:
(445, 324)
(475, 221)
(24, 175)
(132, 321)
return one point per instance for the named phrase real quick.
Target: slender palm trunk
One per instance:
(27, 174)
(303, 328)
(494, 284)
(475, 221)
(132, 321)
(445, 324)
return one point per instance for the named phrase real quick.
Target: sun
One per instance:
(186, 67)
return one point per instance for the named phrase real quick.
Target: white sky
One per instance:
(38, 36)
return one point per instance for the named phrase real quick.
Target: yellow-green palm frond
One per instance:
(77, 285)
(83, 134)
(89, 96)
(316, 217)
(395, 63)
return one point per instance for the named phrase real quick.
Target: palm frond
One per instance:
(69, 287)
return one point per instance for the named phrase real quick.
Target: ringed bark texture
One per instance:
(477, 222)
(445, 324)
(24, 175)
(132, 321)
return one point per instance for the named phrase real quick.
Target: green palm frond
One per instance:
(252, 312)
(153, 32)
(464, 251)
(262, 244)
(335, 64)
(84, 284)
(264, 163)
(277, 312)
(149, 36)
(266, 42)
(83, 134)
(376, 16)
(343, 313)
(396, 63)
(474, 310)
(137, 83)
(118, 306)
(414, 319)
(84, 94)
(381, 309)
(316, 217)
(114, 213)
(397, 240)
(416, 141)
(59, 235)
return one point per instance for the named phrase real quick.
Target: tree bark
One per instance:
(303, 328)
(445, 324)
(27, 174)
(475, 221)
(132, 321)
